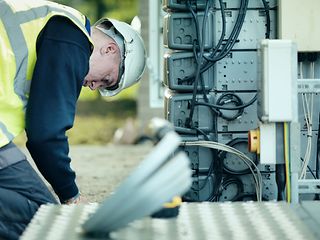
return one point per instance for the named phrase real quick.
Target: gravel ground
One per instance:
(100, 169)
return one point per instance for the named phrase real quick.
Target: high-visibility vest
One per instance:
(20, 24)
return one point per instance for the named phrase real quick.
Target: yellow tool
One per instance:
(170, 209)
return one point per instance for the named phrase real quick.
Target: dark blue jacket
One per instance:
(63, 53)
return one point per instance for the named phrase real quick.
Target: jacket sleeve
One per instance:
(63, 53)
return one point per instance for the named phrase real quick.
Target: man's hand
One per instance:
(74, 200)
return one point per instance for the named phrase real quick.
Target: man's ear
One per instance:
(110, 47)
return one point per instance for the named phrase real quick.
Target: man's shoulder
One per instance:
(62, 29)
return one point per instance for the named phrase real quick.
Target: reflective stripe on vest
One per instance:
(13, 22)
(10, 154)
(19, 48)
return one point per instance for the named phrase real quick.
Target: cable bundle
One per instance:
(250, 163)
(307, 105)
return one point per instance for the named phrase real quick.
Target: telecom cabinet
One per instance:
(211, 74)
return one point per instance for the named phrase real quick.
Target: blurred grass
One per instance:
(129, 93)
(97, 117)
(97, 120)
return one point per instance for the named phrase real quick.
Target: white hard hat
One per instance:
(133, 59)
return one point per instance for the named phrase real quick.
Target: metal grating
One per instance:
(196, 221)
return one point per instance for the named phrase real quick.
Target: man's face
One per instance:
(104, 64)
(102, 74)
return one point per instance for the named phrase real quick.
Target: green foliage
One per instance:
(123, 10)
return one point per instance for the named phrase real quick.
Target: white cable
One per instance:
(301, 70)
(304, 100)
(248, 162)
(309, 135)
(219, 146)
(307, 104)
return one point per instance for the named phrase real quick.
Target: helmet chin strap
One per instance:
(111, 32)
(112, 88)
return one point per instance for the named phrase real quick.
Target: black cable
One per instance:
(213, 171)
(229, 108)
(184, 130)
(206, 179)
(201, 46)
(229, 181)
(230, 42)
(223, 32)
(314, 176)
(199, 58)
(200, 76)
(210, 170)
(235, 32)
(251, 196)
(227, 98)
(194, 131)
(266, 7)
(222, 155)
(239, 106)
(232, 35)
(218, 170)
(203, 133)
(280, 181)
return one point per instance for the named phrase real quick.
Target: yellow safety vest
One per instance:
(20, 24)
